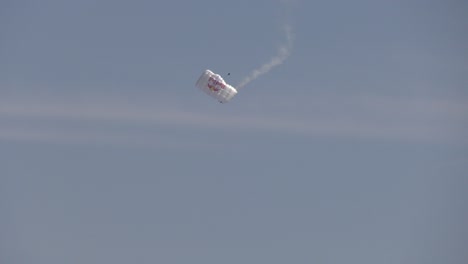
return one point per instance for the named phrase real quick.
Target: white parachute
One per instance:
(214, 85)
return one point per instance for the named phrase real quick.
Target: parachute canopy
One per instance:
(215, 86)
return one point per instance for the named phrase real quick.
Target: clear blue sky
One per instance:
(354, 150)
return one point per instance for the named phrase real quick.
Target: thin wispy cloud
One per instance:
(376, 118)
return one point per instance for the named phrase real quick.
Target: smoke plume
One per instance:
(283, 53)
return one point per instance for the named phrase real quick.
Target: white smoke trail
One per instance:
(283, 53)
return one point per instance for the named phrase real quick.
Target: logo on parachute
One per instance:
(215, 85)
